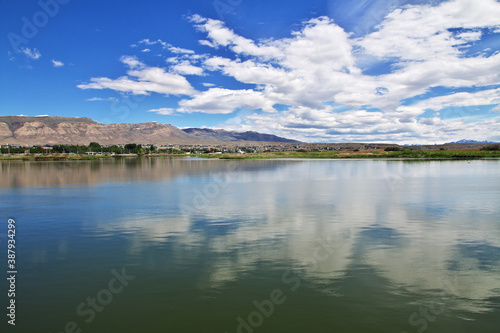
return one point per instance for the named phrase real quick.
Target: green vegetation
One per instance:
(407, 154)
(92, 148)
(52, 157)
(95, 151)
(79, 152)
(444, 154)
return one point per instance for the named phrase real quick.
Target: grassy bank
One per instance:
(73, 157)
(51, 157)
(370, 154)
(413, 154)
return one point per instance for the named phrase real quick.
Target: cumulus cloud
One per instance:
(96, 99)
(324, 76)
(132, 62)
(220, 35)
(143, 80)
(457, 100)
(424, 32)
(57, 63)
(320, 63)
(31, 54)
(163, 111)
(185, 68)
(148, 42)
(223, 101)
(163, 45)
(174, 49)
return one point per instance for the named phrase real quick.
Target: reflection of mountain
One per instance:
(17, 174)
(413, 224)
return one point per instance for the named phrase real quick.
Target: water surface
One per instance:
(255, 246)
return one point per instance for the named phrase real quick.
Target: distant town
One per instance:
(95, 148)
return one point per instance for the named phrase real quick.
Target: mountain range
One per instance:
(22, 130)
(207, 134)
(468, 141)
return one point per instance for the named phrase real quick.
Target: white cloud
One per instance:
(220, 35)
(185, 68)
(172, 60)
(32, 54)
(197, 18)
(150, 43)
(206, 43)
(95, 99)
(146, 41)
(496, 109)
(318, 65)
(131, 62)
(163, 111)
(223, 101)
(469, 36)
(321, 73)
(360, 126)
(180, 50)
(422, 32)
(457, 100)
(142, 80)
(57, 63)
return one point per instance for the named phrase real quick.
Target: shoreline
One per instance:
(456, 154)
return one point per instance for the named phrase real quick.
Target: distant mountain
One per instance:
(206, 134)
(21, 130)
(468, 141)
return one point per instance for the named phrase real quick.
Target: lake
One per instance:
(194, 245)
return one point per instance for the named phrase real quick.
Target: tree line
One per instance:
(130, 148)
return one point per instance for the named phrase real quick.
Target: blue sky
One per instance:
(316, 71)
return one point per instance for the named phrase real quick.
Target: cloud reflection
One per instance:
(436, 228)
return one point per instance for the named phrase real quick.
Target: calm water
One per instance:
(186, 245)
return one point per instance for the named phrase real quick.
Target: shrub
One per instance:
(492, 147)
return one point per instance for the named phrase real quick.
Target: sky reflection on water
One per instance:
(414, 230)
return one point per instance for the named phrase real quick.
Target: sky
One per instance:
(399, 71)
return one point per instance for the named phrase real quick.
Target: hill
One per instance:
(468, 141)
(21, 130)
(207, 134)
